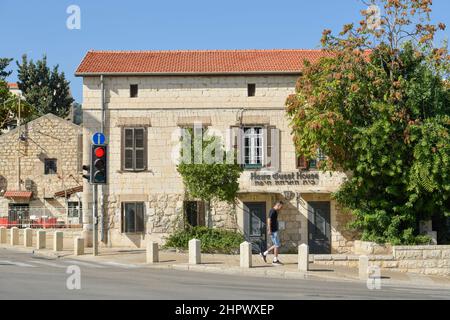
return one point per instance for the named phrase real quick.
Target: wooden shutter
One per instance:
(271, 148)
(302, 163)
(237, 143)
(201, 213)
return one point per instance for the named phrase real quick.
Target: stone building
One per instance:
(143, 99)
(40, 173)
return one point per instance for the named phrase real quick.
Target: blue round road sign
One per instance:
(98, 138)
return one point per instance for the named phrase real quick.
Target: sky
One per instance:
(36, 28)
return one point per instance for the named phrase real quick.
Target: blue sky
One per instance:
(39, 27)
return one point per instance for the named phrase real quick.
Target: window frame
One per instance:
(124, 227)
(253, 156)
(46, 171)
(133, 149)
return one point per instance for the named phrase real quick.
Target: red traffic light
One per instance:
(99, 152)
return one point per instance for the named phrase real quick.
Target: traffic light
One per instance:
(98, 164)
(88, 175)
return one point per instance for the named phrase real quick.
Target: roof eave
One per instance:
(92, 74)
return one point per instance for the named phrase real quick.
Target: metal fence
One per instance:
(41, 218)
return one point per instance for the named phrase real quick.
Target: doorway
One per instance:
(255, 225)
(319, 227)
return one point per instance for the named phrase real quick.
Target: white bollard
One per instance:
(14, 236)
(303, 257)
(78, 246)
(152, 252)
(58, 239)
(41, 241)
(363, 268)
(3, 237)
(194, 251)
(245, 250)
(28, 237)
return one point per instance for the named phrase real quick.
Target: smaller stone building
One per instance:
(41, 173)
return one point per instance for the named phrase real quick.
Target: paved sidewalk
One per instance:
(229, 264)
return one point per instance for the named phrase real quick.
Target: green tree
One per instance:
(4, 63)
(9, 107)
(47, 90)
(212, 179)
(379, 107)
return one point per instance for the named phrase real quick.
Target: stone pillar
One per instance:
(3, 232)
(78, 246)
(14, 236)
(363, 267)
(194, 251)
(152, 252)
(58, 241)
(303, 257)
(41, 241)
(28, 237)
(245, 251)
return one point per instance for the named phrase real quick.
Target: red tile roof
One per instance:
(18, 194)
(196, 62)
(13, 85)
(69, 192)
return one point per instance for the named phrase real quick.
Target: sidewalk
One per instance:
(229, 264)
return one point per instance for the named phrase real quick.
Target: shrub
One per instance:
(212, 240)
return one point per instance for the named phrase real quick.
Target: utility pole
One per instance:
(94, 220)
(18, 147)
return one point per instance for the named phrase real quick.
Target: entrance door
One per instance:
(255, 225)
(319, 228)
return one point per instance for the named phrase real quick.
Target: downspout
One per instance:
(101, 189)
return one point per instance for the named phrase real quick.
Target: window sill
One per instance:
(134, 171)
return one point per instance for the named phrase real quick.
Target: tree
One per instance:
(4, 63)
(9, 107)
(47, 90)
(212, 179)
(378, 105)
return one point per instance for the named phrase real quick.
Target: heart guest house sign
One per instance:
(284, 179)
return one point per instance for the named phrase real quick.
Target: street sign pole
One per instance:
(94, 221)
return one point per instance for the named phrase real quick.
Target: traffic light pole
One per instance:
(95, 220)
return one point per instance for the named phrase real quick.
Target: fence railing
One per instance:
(46, 218)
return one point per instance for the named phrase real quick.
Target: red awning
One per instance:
(18, 194)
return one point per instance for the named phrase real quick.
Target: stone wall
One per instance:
(431, 260)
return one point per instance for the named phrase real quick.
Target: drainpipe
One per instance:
(101, 189)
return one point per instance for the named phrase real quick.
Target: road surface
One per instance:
(25, 276)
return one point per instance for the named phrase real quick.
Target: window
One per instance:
(304, 164)
(132, 217)
(251, 89)
(253, 147)
(50, 166)
(194, 212)
(134, 149)
(134, 89)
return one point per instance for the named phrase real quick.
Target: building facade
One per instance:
(40, 174)
(143, 99)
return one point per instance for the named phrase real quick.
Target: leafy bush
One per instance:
(212, 240)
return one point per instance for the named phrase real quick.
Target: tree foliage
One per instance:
(47, 90)
(209, 180)
(4, 63)
(378, 105)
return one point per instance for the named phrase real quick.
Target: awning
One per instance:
(68, 192)
(18, 194)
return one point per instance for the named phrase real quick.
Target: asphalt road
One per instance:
(24, 276)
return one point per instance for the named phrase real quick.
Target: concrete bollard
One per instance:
(195, 251)
(41, 241)
(152, 252)
(245, 251)
(363, 268)
(58, 239)
(28, 237)
(78, 246)
(14, 236)
(303, 257)
(3, 232)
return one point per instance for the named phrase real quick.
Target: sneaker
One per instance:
(264, 257)
(277, 263)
